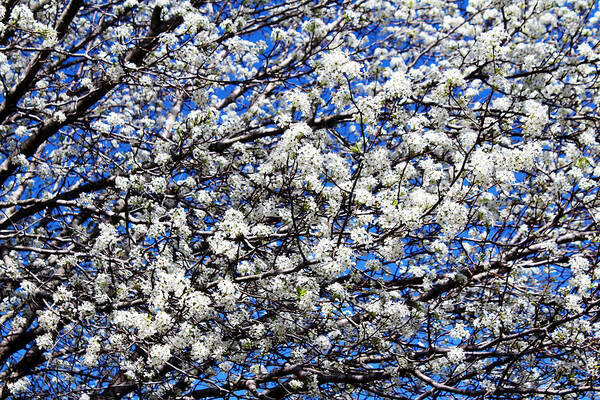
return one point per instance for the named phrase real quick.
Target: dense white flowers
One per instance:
(159, 354)
(108, 236)
(489, 44)
(19, 386)
(48, 320)
(537, 117)
(455, 355)
(228, 293)
(392, 199)
(398, 85)
(336, 67)
(198, 305)
(91, 353)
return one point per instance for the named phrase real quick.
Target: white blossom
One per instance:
(455, 355)
(159, 354)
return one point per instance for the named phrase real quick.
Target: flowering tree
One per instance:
(299, 199)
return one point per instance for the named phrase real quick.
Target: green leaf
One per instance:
(301, 292)
(583, 162)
